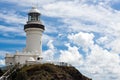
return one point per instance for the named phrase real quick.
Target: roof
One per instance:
(9, 55)
(31, 59)
(34, 10)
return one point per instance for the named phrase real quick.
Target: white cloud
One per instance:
(114, 46)
(12, 17)
(46, 39)
(71, 56)
(12, 41)
(2, 55)
(99, 62)
(49, 54)
(2, 62)
(10, 29)
(50, 45)
(95, 18)
(29, 3)
(103, 40)
(95, 22)
(104, 20)
(15, 22)
(84, 40)
(50, 29)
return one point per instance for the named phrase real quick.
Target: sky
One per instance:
(84, 33)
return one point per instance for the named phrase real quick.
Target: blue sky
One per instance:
(84, 33)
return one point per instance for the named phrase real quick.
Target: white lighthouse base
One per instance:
(22, 58)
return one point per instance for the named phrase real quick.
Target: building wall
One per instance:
(21, 58)
(9, 61)
(33, 42)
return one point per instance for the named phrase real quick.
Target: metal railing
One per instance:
(9, 72)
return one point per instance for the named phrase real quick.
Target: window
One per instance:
(29, 18)
(10, 63)
(33, 17)
(38, 58)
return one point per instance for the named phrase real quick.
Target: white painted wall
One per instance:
(34, 40)
(9, 61)
(21, 58)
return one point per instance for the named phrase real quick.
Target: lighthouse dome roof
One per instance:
(31, 59)
(34, 10)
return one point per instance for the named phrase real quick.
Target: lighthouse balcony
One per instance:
(34, 26)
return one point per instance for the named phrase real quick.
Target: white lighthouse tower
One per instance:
(34, 30)
(33, 50)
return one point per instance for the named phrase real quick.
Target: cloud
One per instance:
(48, 55)
(83, 40)
(97, 19)
(114, 46)
(103, 40)
(28, 3)
(84, 17)
(98, 63)
(12, 41)
(14, 24)
(50, 45)
(92, 26)
(2, 62)
(12, 17)
(101, 62)
(46, 39)
(10, 29)
(80, 16)
(2, 55)
(50, 29)
(71, 56)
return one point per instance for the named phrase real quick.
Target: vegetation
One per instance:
(47, 72)
(1, 72)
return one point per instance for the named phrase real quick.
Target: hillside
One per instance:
(47, 72)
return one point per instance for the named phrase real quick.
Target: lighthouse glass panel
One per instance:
(29, 18)
(33, 17)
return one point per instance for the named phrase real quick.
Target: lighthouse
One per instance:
(31, 54)
(34, 29)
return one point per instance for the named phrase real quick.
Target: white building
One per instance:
(33, 50)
